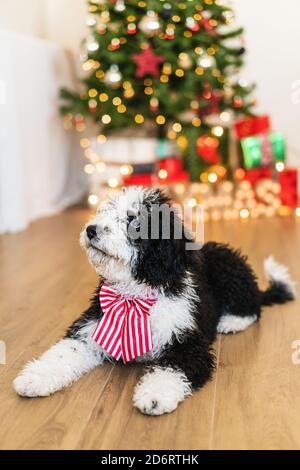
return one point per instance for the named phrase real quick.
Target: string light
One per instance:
(160, 120)
(244, 214)
(225, 116)
(106, 119)
(103, 97)
(113, 183)
(93, 199)
(126, 170)
(116, 101)
(179, 72)
(196, 122)
(89, 169)
(163, 174)
(218, 131)
(192, 202)
(177, 127)
(92, 93)
(101, 139)
(212, 178)
(84, 143)
(280, 167)
(121, 108)
(139, 118)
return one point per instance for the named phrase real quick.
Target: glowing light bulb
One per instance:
(244, 214)
(225, 116)
(192, 202)
(218, 131)
(163, 174)
(93, 199)
(89, 169)
(212, 178)
(125, 170)
(113, 183)
(280, 167)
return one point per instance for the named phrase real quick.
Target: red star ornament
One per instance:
(147, 63)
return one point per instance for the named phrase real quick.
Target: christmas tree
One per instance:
(172, 67)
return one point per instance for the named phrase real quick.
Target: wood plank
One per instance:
(257, 404)
(115, 424)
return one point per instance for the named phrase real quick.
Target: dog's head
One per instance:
(137, 235)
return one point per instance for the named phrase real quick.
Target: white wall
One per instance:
(272, 38)
(24, 16)
(273, 62)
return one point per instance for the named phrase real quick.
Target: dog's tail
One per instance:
(281, 288)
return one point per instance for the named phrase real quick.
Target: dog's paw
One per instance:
(34, 382)
(160, 391)
(153, 405)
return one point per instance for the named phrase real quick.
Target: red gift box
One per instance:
(180, 177)
(252, 126)
(172, 165)
(138, 180)
(257, 174)
(288, 180)
(174, 171)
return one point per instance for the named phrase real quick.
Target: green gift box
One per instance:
(166, 148)
(263, 150)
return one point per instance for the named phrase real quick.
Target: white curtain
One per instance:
(39, 166)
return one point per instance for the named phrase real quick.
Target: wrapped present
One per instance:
(139, 180)
(171, 170)
(207, 148)
(144, 168)
(181, 177)
(166, 148)
(171, 165)
(263, 150)
(252, 126)
(288, 180)
(257, 174)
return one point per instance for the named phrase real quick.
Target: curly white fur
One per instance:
(59, 367)
(160, 391)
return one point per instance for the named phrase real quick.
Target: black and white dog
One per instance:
(198, 294)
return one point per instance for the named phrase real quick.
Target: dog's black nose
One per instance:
(91, 231)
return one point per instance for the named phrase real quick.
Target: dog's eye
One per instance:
(130, 218)
(132, 221)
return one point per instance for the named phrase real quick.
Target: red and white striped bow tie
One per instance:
(125, 328)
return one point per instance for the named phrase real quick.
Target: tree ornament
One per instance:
(149, 24)
(207, 148)
(170, 32)
(154, 104)
(206, 61)
(101, 28)
(192, 24)
(238, 102)
(131, 28)
(113, 77)
(120, 6)
(147, 63)
(184, 60)
(167, 11)
(209, 101)
(91, 44)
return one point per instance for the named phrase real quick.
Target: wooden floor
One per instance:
(253, 401)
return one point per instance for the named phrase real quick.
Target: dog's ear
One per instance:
(162, 262)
